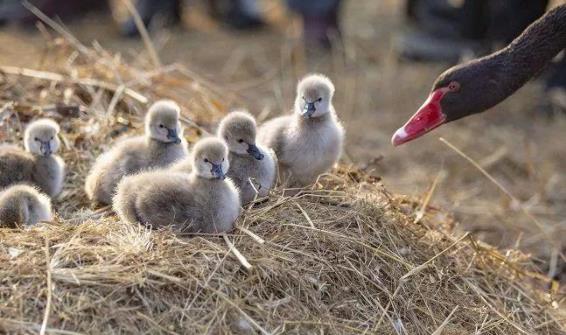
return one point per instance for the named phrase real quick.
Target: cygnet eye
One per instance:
(206, 160)
(161, 126)
(319, 99)
(223, 159)
(240, 141)
(36, 139)
(51, 138)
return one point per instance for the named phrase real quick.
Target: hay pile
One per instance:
(344, 257)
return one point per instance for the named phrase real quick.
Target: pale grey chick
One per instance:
(162, 145)
(309, 141)
(252, 167)
(23, 205)
(37, 165)
(202, 201)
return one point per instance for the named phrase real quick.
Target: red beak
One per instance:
(428, 117)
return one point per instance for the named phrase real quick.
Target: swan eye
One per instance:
(161, 126)
(36, 139)
(51, 138)
(454, 86)
(206, 160)
(240, 141)
(223, 159)
(319, 99)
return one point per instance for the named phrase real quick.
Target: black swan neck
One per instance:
(487, 81)
(529, 53)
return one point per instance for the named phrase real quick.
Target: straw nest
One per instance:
(342, 257)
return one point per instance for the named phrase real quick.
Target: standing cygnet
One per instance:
(249, 163)
(37, 165)
(161, 145)
(23, 205)
(202, 201)
(308, 142)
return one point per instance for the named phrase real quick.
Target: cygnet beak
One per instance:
(45, 148)
(309, 109)
(217, 171)
(172, 135)
(254, 151)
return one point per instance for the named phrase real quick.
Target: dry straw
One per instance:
(343, 257)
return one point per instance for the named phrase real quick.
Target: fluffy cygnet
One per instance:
(161, 145)
(200, 202)
(37, 165)
(249, 163)
(308, 142)
(23, 205)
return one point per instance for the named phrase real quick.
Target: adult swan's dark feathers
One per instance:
(482, 83)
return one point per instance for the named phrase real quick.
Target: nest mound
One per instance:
(342, 257)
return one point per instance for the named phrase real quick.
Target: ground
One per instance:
(518, 145)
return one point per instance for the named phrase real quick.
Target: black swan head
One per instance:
(480, 84)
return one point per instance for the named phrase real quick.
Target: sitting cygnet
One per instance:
(23, 205)
(161, 145)
(249, 163)
(202, 201)
(308, 142)
(37, 165)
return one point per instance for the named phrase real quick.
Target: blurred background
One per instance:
(383, 57)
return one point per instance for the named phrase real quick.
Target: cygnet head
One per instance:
(41, 138)
(162, 122)
(238, 129)
(210, 158)
(314, 96)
